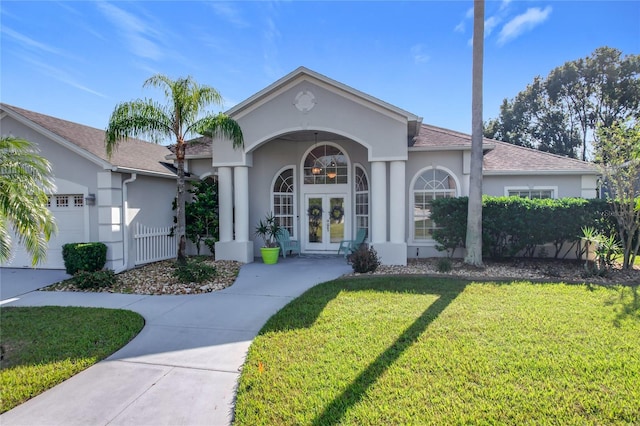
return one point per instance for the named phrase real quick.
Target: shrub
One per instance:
(194, 271)
(363, 260)
(94, 279)
(513, 226)
(444, 265)
(88, 257)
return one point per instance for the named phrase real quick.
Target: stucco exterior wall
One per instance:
(200, 167)
(65, 164)
(450, 161)
(563, 185)
(385, 133)
(148, 203)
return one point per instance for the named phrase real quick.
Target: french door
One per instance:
(324, 221)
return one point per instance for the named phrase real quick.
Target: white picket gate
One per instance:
(153, 244)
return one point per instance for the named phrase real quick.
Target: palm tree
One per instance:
(25, 179)
(474, 218)
(182, 115)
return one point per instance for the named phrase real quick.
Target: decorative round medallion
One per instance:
(305, 101)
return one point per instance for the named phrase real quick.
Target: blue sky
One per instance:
(77, 59)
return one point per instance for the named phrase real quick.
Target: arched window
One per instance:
(283, 200)
(361, 200)
(325, 165)
(431, 184)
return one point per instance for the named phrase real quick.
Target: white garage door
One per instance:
(68, 209)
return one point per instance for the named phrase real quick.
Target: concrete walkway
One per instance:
(183, 367)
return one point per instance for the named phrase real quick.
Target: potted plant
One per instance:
(268, 229)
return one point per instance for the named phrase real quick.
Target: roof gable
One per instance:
(133, 154)
(304, 74)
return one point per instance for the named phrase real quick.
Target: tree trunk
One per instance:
(474, 218)
(180, 205)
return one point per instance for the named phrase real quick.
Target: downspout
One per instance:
(125, 224)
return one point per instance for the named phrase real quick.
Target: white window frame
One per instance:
(324, 167)
(412, 217)
(355, 199)
(293, 194)
(553, 189)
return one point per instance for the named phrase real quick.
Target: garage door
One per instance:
(68, 210)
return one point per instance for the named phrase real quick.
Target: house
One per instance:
(96, 198)
(313, 144)
(325, 158)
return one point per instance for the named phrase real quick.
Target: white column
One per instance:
(241, 197)
(225, 203)
(378, 202)
(397, 201)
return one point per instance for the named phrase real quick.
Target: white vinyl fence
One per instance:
(153, 244)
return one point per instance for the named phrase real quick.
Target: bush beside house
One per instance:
(514, 226)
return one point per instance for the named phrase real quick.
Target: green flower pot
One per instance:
(270, 255)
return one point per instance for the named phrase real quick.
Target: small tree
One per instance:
(620, 165)
(202, 214)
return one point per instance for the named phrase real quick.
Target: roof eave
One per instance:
(538, 172)
(190, 157)
(120, 169)
(485, 147)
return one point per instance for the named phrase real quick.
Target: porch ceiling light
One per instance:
(331, 175)
(316, 170)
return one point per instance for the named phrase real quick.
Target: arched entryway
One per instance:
(325, 197)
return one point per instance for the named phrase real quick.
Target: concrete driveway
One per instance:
(18, 281)
(183, 367)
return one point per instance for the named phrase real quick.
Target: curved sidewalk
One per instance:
(183, 367)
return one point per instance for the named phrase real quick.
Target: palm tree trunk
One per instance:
(474, 218)
(180, 205)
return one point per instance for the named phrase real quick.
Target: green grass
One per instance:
(44, 346)
(391, 351)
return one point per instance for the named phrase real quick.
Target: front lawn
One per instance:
(390, 351)
(44, 346)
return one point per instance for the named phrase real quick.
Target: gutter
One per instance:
(125, 224)
(118, 169)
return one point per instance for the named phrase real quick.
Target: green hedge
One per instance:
(516, 226)
(87, 257)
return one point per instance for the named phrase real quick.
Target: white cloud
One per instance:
(522, 23)
(460, 28)
(418, 54)
(229, 12)
(504, 4)
(469, 14)
(490, 24)
(61, 75)
(29, 42)
(137, 34)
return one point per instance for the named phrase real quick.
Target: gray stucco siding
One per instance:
(385, 133)
(566, 185)
(65, 164)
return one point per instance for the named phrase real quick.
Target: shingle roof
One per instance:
(506, 157)
(501, 157)
(198, 147)
(130, 154)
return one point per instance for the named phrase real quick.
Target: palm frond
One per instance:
(220, 125)
(25, 178)
(140, 118)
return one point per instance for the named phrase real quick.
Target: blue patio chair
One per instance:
(349, 246)
(286, 243)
